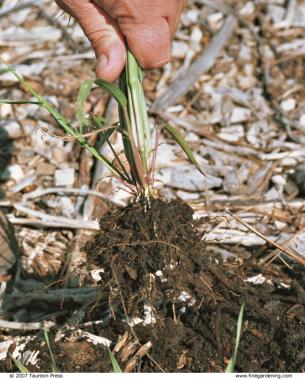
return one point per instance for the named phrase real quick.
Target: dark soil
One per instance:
(156, 268)
(5, 152)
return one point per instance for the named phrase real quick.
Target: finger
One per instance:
(150, 42)
(174, 11)
(148, 25)
(104, 35)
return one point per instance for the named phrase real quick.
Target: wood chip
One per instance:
(200, 66)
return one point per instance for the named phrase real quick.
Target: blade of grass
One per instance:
(83, 94)
(115, 365)
(125, 137)
(184, 145)
(120, 97)
(137, 109)
(114, 90)
(53, 364)
(154, 156)
(128, 122)
(19, 365)
(117, 158)
(232, 361)
(43, 102)
(9, 101)
(135, 153)
(105, 137)
(64, 123)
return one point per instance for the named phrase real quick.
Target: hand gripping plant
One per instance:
(133, 127)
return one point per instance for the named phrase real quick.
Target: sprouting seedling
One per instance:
(53, 363)
(133, 127)
(232, 361)
(22, 367)
(19, 365)
(115, 365)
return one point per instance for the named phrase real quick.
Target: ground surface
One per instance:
(244, 119)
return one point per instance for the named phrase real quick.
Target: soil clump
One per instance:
(159, 285)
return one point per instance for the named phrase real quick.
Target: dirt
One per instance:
(5, 153)
(156, 269)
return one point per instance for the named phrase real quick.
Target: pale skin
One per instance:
(146, 26)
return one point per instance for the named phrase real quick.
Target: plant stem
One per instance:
(137, 108)
(135, 120)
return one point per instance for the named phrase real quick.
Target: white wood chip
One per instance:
(64, 177)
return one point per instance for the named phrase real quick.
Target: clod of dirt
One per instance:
(160, 288)
(5, 151)
(152, 256)
(157, 275)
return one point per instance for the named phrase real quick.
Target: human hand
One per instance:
(147, 25)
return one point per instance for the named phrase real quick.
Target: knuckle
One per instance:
(156, 62)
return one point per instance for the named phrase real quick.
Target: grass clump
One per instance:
(133, 126)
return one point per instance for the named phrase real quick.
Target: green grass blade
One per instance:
(184, 145)
(104, 160)
(232, 361)
(83, 93)
(114, 90)
(137, 110)
(123, 127)
(129, 145)
(104, 135)
(115, 365)
(65, 124)
(53, 364)
(19, 365)
(230, 366)
(132, 153)
(9, 101)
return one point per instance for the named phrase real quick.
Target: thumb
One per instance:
(103, 33)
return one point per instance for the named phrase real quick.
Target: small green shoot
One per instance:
(183, 144)
(83, 94)
(53, 363)
(115, 365)
(114, 91)
(19, 365)
(232, 361)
